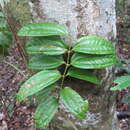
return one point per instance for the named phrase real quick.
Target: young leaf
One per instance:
(45, 112)
(94, 45)
(83, 75)
(123, 82)
(38, 82)
(74, 102)
(42, 45)
(92, 62)
(40, 62)
(43, 29)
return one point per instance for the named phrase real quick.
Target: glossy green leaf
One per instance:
(83, 75)
(45, 112)
(38, 82)
(40, 62)
(94, 45)
(42, 45)
(92, 61)
(43, 29)
(59, 39)
(123, 82)
(121, 79)
(74, 102)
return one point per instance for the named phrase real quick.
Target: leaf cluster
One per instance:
(49, 51)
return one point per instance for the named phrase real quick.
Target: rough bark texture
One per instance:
(83, 17)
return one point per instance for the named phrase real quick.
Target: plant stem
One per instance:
(67, 65)
(66, 68)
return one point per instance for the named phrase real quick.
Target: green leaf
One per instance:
(92, 62)
(74, 102)
(3, 26)
(40, 62)
(45, 112)
(42, 45)
(4, 2)
(45, 93)
(121, 79)
(127, 41)
(123, 82)
(38, 82)
(83, 75)
(43, 29)
(94, 45)
(5, 39)
(59, 39)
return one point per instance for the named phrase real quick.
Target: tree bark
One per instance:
(82, 17)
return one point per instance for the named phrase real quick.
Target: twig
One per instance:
(15, 68)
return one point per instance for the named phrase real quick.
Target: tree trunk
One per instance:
(83, 17)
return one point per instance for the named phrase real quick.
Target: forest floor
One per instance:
(18, 116)
(13, 115)
(123, 52)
